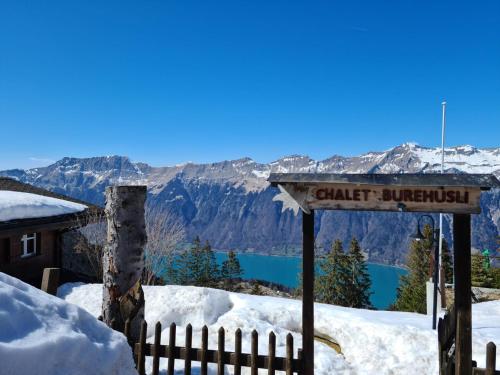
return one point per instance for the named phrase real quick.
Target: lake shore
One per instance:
(299, 257)
(285, 270)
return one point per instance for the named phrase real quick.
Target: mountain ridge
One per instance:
(230, 202)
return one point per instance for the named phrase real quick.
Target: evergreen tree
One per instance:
(231, 269)
(297, 292)
(447, 263)
(331, 285)
(195, 263)
(494, 274)
(411, 294)
(479, 275)
(182, 272)
(197, 266)
(170, 275)
(359, 283)
(209, 275)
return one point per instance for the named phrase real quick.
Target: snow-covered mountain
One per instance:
(230, 202)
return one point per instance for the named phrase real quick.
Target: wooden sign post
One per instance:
(446, 193)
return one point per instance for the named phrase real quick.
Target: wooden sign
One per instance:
(385, 198)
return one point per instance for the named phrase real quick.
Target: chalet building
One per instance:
(32, 221)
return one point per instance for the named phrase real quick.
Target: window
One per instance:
(29, 244)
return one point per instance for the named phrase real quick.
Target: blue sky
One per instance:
(171, 81)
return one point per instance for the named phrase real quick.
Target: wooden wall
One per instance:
(28, 269)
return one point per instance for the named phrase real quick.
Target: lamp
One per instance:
(418, 236)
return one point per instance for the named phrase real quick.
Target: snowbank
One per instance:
(372, 342)
(17, 205)
(44, 335)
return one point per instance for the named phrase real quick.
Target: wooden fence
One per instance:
(446, 342)
(220, 356)
(491, 353)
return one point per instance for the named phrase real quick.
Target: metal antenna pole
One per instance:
(440, 260)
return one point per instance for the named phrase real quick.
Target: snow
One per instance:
(18, 205)
(44, 335)
(261, 174)
(372, 342)
(288, 202)
(176, 198)
(464, 158)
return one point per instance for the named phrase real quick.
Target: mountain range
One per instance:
(230, 203)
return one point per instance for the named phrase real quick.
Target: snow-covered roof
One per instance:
(45, 335)
(15, 205)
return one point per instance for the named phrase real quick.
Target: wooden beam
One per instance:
(308, 292)
(463, 297)
(50, 280)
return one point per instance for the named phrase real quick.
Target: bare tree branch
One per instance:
(92, 228)
(164, 233)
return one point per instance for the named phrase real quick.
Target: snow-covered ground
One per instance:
(372, 342)
(44, 335)
(18, 205)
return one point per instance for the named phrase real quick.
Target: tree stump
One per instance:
(123, 258)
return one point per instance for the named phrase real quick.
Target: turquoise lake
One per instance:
(284, 270)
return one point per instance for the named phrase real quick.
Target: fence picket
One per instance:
(156, 349)
(237, 354)
(220, 352)
(491, 353)
(141, 355)
(272, 354)
(204, 347)
(289, 354)
(300, 357)
(254, 353)
(171, 349)
(187, 356)
(126, 332)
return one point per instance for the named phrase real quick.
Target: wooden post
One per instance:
(463, 303)
(289, 354)
(123, 258)
(50, 280)
(237, 352)
(220, 351)
(141, 353)
(126, 332)
(271, 354)
(491, 356)
(156, 349)
(300, 357)
(204, 349)
(308, 292)
(254, 353)
(171, 349)
(189, 341)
